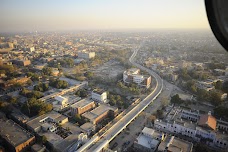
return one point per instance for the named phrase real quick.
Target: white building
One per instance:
(99, 95)
(60, 103)
(86, 55)
(148, 140)
(191, 115)
(192, 130)
(132, 75)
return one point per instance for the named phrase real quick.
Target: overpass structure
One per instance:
(119, 126)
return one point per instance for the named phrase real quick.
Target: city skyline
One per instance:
(26, 16)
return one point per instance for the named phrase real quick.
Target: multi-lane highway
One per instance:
(131, 115)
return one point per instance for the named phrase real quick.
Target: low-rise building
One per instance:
(60, 103)
(205, 129)
(207, 121)
(205, 85)
(86, 55)
(22, 62)
(192, 115)
(38, 148)
(16, 138)
(132, 76)
(99, 95)
(42, 121)
(82, 106)
(174, 144)
(60, 133)
(222, 125)
(88, 127)
(148, 140)
(100, 113)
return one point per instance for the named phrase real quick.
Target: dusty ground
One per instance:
(109, 69)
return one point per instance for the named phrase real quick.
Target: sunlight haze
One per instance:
(26, 15)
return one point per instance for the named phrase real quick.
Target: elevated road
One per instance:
(131, 115)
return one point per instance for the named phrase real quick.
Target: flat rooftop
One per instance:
(34, 123)
(175, 144)
(82, 103)
(98, 111)
(148, 142)
(98, 91)
(87, 126)
(133, 70)
(20, 116)
(13, 133)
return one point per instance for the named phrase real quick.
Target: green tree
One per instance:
(13, 100)
(35, 107)
(47, 71)
(176, 99)
(82, 93)
(225, 87)
(159, 113)
(191, 86)
(215, 97)
(221, 112)
(89, 74)
(6, 107)
(58, 83)
(24, 91)
(202, 95)
(218, 85)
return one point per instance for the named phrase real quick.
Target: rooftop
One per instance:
(60, 98)
(36, 122)
(82, 103)
(133, 71)
(208, 120)
(13, 133)
(20, 116)
(98, 91)
(148, 142)
(87, 126)
(223, 136)
(98, 111)
(148, 131)
(175, 144)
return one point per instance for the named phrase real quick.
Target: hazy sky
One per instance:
(30, 15)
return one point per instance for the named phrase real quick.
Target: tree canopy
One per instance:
(41, 87)
(59, 84)
(176, 99)
(35, 107)
(81, 93)
(47, 71)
